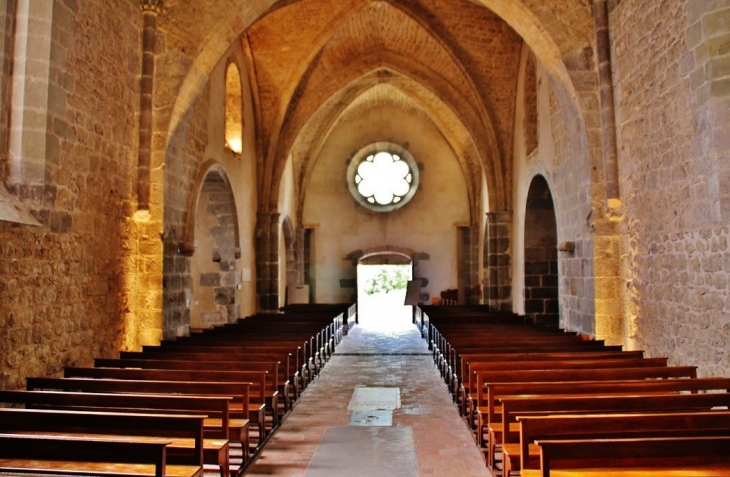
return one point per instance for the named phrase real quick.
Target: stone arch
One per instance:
(541, 254)
(399, 71)
(541, 28)
(386, 256)
(543, 31)
(213, 228)
(386, 66)
(465, 145)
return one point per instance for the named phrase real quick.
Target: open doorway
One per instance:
(381, 292)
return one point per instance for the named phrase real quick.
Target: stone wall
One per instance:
(429, 223)
(61, 284)
(672, 115)
(571, 188)
(541, 255)
(214, 267)
(180, 190)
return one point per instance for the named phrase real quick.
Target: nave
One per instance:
(374, 354)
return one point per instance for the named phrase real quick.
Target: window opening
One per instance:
(234, 110)
(383, 177)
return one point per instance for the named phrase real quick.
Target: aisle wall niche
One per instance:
(215, 272)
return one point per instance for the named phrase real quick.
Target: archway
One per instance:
(214, 268)
(381, 288)
(541, 255)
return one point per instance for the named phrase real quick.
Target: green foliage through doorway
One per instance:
(386, 280)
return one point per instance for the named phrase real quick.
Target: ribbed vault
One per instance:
(377, 90)
(310, 59)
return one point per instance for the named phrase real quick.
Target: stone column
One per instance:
(267, 261)
(150, 9)
(299, 250)
(608, 115)
(497, 261)
(470, 264)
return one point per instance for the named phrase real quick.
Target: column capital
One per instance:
(153, 6)
(502, 216)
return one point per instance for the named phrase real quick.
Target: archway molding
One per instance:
(208, 170)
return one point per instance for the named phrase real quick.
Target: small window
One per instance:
(234, 110)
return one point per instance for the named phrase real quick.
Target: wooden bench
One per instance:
(607, 426)
(465, 360)
(483, 378)
(492, 414)
(259, 394)
(238, 428)
(278, 380)
(507, 351)
(512, 406)
(215, 446)
(298, 364)
(580, 362)
(183, 432)
(89, 456)
(646, 457)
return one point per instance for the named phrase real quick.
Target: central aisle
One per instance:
(427, 437)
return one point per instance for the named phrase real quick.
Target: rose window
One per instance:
(383, 177)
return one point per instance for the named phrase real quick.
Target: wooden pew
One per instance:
(512, 406)
(545, 348)
(89, 456)
(646, 457)
(239, 428)
(259, 394)
(184, 432)
(281, 367)
(481, 378)
(609, 426)
(550, 361)
(158, 361)
(215, 446)
(298, 365)
(465, 360)
(579, 387)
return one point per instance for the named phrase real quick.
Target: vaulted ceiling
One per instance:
(313, 61)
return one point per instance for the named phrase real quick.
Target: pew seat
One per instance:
(90, 456)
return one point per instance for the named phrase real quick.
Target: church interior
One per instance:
(175, 165)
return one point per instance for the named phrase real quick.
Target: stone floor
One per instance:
(375, 357)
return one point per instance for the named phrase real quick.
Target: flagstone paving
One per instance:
(374, 355)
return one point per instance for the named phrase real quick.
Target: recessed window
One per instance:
(383, 176)
(234, 110)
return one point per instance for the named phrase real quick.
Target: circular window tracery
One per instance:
(382, 176)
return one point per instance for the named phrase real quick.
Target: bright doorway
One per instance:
(381, 292)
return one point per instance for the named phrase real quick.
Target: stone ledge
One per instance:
(11, 210)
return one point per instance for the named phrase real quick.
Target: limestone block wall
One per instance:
(62, 287)
(180, 189)
(541, 255)
(201, 147)
(571, 188)
(672, 113)
(429, 223)
(564, 161)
